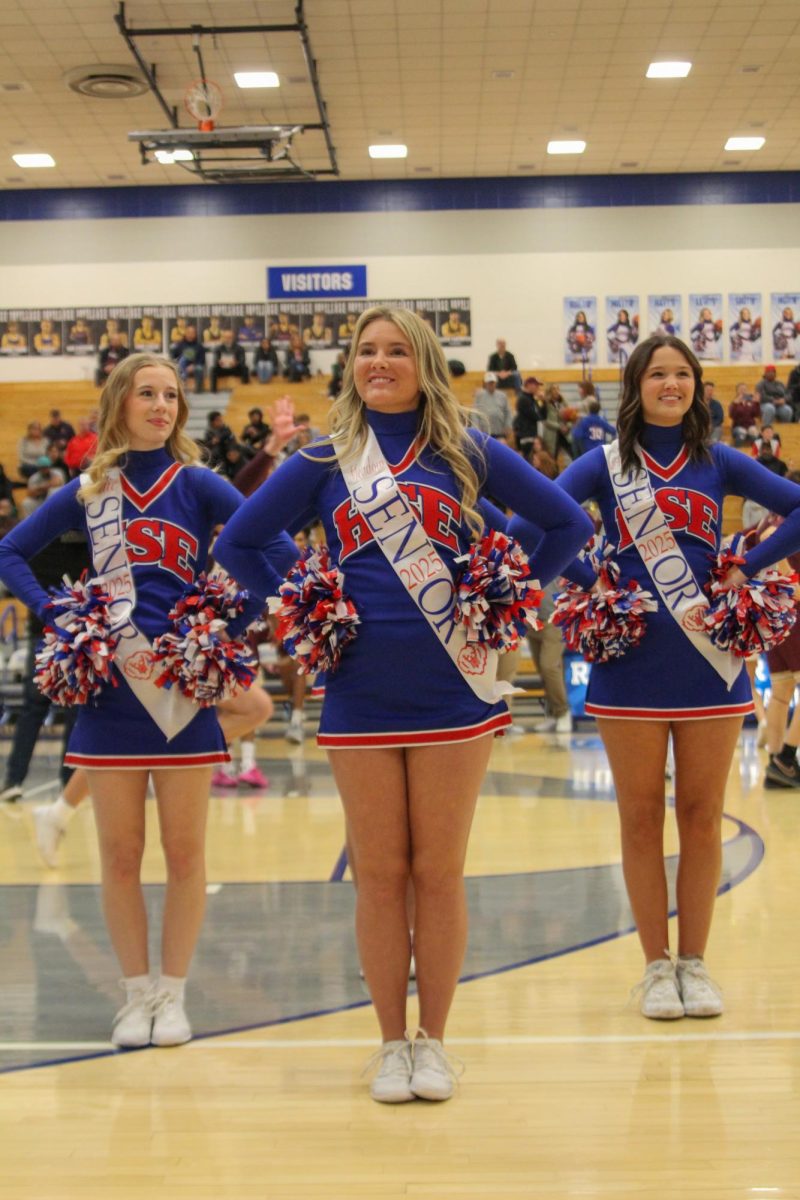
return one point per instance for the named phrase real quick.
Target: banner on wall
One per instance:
(622, 327)
(325, 326)
(744, 326)
(665, 314)
(580, 329)
(313, 283)
(706, 325)
(784, 319)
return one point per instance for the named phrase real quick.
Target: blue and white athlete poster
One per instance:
(665, 314)
(784, 320)
(622, 327)
(580, 329)
(744, 326)
(706, 325)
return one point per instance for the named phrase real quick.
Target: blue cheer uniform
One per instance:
(396, 685)
(664, 677)
(169, 512)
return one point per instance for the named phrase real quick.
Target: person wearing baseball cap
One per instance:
(493, 409)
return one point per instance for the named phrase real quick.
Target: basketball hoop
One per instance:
(203, 100)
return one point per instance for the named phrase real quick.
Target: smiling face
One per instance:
(150, 409)
(666, 387)
(384, 369)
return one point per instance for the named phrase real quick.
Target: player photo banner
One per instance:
(706, 325)
(580, 329)
(330, 325)
(784, 319)
(665, 314)
(744, 326)
(622, 327)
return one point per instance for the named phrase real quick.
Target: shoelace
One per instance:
(143, 998)
(161, 1001)
(651, 977)
(697, 969)
(382, 1053)
(451, 1063)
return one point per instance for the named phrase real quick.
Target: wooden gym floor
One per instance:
(567, 1092)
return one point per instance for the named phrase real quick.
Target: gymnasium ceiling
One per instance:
(473, 87)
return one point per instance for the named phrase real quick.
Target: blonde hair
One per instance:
(112, 435)
(442, 420)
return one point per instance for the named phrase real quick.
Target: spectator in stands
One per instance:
(530, 415)
(716, 410)
(7, 488)
(772, 397)
(768, 439)
(8, 517)
(30, 449)
(80, 449)
(233, 458)
(109, 356)
(216, 437)
(542, 460)
(768, 455)
(266, 360)
(305, 434)
(44, 481)
(58, 430)
(547, 651)
(55, 456)
(558, 422)
(744, 411)
(793, 391)
(591, 430)
(337, 375)
(256, 431)
(494, 410)
(586, 392)
(230, 362)
(190, 355)
(298, 361)
(503, 364)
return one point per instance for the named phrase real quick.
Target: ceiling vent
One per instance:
(106, 82)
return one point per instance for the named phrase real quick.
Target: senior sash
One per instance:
(664, 561)
(418, 565)
(134, 658)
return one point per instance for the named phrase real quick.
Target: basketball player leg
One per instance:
(637, 755)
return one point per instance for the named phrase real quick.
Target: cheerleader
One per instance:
(409, 716)
(660, 489)
(149, 509)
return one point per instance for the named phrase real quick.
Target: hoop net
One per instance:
(203, 100)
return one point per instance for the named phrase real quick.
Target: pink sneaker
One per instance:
(221, 779)
(254, 778)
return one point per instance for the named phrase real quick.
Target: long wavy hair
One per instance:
(442, 424)
(696, 426)
(112, 434)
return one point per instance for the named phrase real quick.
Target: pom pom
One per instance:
(73, 662)
(753, 618)
(315, 618)
(495, 597)
(603, 624)
(194, 655)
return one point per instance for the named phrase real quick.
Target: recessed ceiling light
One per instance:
(566, 147)
(744, 143)
(668, 70)
(34, 160)
(172, 156)
(398, 151)
(256, 79)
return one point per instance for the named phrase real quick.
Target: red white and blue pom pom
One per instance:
(606, 623)
(753, 618)
(73, 662)
(207, 667)
(315, 618)
(496, 599)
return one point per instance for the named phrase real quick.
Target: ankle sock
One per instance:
(62, 812)
(136, 985)
(174, 985)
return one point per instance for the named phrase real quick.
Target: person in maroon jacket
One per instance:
(745, 414)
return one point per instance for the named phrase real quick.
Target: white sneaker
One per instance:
(564, 723)
(515, 730)
(11, 794)
(661, 1000)
(48, 833)
(548, 725)
(392, 1084)
(134, 1021)
(295, 732)
(701, 996)
(435, 1073)
(170, 1024)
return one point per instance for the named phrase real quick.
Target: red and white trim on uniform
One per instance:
(668, 714)
(421, 737)
(669, 472)
(143, 500)
(132, 762)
